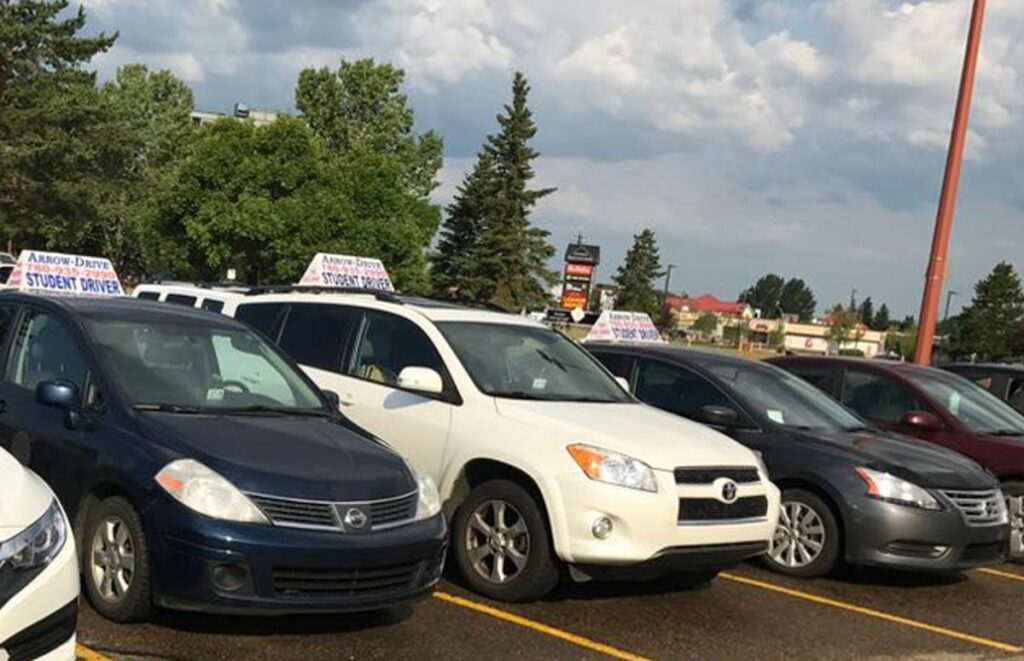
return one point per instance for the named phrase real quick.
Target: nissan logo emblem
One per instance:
(355, 518)
(727, 490)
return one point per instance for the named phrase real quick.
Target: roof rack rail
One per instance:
(226, 284)
(380, 295)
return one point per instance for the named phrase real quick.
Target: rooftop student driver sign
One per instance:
(618, 326)
(57, 273)
(347, 272)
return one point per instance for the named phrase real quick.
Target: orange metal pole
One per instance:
(947, 201)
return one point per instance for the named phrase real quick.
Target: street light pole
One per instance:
(853, 300)
(949, 295)
(668, 279)
(947, 200)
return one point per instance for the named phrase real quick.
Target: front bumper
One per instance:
(646, 532)
(39, 621)
(889, 535)
(277, 570)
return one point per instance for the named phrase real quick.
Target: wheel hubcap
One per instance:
(799, 538)
(1015, 504)
(112, 559)
(497, 541)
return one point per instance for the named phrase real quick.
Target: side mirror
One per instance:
(333, 399)
(624, 383)
(921, 420)
(421, 379)
(717, 416)
(61, 395)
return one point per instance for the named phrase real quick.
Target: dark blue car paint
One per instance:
(119, 451)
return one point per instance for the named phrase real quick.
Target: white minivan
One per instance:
(543, 460)
(38, 569)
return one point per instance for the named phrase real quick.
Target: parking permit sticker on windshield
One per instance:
(776, 416)
(540, 384)
(954, 403)
(215, 395)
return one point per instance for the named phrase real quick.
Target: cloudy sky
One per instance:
(805, 137)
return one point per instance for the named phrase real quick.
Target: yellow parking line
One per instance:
(1004, 574)
(87, 654)
(579, 641)
(870, 612)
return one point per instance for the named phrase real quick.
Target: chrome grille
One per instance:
(322, 515)
(979, 508)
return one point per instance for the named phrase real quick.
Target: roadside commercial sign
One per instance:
(58, 273)
(579, 253)
(579, 270)
(347, 271)
(574, 299)
(619, 326)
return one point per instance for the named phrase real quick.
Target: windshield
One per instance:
(526, 362)
(976, 408)
(193, 367)
(785, 399)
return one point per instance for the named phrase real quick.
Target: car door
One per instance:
(44, 347)
(417, 425)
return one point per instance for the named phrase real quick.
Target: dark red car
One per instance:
(933, 405)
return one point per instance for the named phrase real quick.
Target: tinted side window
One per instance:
(148, 295)
(676, 389)
(878, 397)
(213, 305)
(1015, 394)
(264, 317)
(181, 299)
(617, 363)
(316, 335)
(819, 376)
(388, 345)
(45, 350)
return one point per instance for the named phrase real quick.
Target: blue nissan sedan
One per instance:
(202, 470)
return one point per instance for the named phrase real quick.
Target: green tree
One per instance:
(882, 320)
(452, 268)
(866, 312)
(361, 107)
(50, 143)
(990, 327)
(636, 275)
(765, 295)
(706, 324)
(797, 299)
(842, 325)
(509, 268)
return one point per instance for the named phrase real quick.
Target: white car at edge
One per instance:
(38, 569)
(541, 457)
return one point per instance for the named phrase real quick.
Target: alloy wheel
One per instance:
(497, 541)
(799, 538)
(112, 559)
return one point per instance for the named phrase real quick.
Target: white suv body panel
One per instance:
(532, 437)
(24, 497)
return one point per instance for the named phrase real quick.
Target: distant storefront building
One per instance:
(812, 339)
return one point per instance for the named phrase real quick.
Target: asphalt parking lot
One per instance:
(746, 613)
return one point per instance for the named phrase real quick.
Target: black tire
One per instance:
(538, 574)
(1015, 489)
(135, 603)
(831, 545)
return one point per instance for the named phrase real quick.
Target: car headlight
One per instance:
(430, 500)
(613, 468)
(892, 489)
(201, 490)
(38, 544)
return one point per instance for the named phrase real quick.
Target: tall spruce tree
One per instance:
(867, 312)
(452, 270)
(636, 275)
(510, 267)
(990, 327)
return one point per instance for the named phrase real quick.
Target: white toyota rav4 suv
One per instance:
(38, 569)
(542, 459)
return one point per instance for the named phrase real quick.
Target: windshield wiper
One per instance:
(262, 409)
(519, 394)
(169, 408)
(1005, 432)
(857, 428)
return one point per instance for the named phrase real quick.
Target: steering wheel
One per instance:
(238, 385)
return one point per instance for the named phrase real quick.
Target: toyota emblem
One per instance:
(355, 518)
(727, 490)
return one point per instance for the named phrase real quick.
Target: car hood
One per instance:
(24, 497)
(659, 439)
(287, 456)
(925, 464)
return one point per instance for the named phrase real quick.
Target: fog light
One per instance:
(229, 577)
(602, 527)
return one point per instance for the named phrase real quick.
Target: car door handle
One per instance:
(346, 399)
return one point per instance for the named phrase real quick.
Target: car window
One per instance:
(315, 335)
(976, 408)
(387, 345)
(7, 313)
(254, 370)
(676, 389)
(212, 304)
(45, 350)
(5, 273)
(148, 295)
(181, 299)
(819, 376)
(264, 317)
(1015, 394)
(618, 364)
(878, 397)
